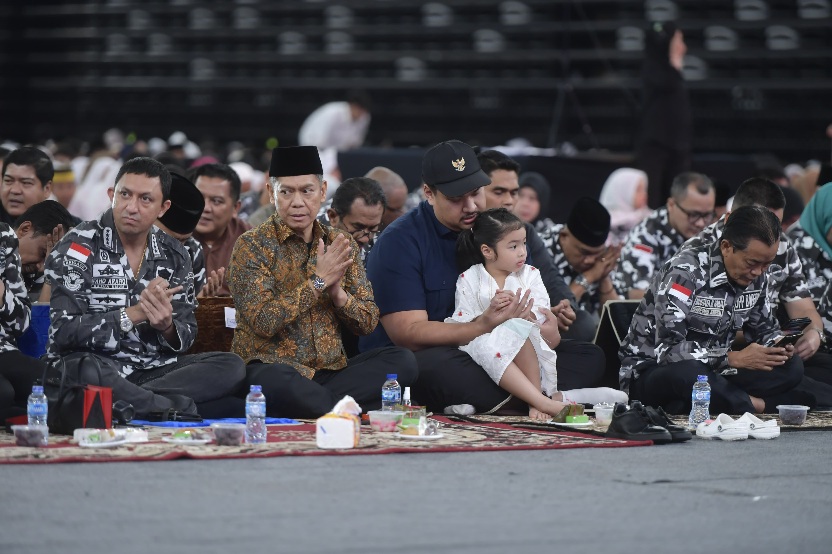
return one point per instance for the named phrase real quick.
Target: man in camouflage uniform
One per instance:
(656, 239)
(17, 371)
(788, 292)
(582, 257)
(123, 291)
(689, 316)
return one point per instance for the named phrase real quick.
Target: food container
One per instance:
(792, 414)
(229, 434)
(385, 421)
(30, 435)
(603, 413)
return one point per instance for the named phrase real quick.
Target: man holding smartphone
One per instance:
(690, 315)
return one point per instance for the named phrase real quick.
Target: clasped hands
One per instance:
(506, 305)
(332, 264)
(154, 305)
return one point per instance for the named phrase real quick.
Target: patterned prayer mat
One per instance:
(299, 440)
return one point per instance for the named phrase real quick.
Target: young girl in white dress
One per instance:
(519, 353)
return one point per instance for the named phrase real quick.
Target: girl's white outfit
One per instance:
(495, 350)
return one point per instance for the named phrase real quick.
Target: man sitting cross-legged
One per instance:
(120, 290)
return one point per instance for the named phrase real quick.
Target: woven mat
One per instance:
(299, 440)
(814, 421)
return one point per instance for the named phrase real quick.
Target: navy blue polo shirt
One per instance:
(412, 267)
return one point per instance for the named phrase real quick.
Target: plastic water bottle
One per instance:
(256, 416)
(391, 393)
(38, 408)
(700, 400)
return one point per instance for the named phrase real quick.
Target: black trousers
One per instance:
(819, 367)
(290, 394)
(670, 386)
(584, 327)
(18, 372)
(448, 376)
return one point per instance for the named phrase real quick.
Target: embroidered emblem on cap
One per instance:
(459, 164)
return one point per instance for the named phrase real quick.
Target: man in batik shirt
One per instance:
(295, 282)
(690, 315)
(123, 292)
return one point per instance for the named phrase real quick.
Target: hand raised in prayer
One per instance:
(213, 283)
(333, 260)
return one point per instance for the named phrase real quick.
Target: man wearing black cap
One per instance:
(186, 204)
(295, 282)
(413, 271)
(580, 253)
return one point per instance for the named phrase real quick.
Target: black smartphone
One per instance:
(783, 340)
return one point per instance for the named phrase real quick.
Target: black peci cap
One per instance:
(186, 203)
(452, 168)
(589, 222)
(288, 161)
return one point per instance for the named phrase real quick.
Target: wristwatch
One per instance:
(318, 283)
(821, 334)
(581, 281)
(124, 322)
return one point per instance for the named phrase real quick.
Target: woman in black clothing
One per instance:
(664, 147)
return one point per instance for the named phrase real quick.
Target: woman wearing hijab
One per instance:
(625, 196)
(812, 238)
(664, 148)
(533, 198)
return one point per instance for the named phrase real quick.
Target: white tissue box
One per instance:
(337, 431)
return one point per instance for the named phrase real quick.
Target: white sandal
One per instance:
(722, 428)
(759, 429)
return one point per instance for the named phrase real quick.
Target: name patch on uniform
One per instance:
(107, 270)
(73, 281)
(708, 306)
(110, 283)
(72, 262)
(746, 300)
(109, 299)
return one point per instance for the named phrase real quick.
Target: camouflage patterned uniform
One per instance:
(194, 249)
(17, 371)
(15, 308)
(817, 267)
(92, 280)
(691, 313)
(786, 282)
(650, 244)
(590, 302)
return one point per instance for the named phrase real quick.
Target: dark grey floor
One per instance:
(702, 497)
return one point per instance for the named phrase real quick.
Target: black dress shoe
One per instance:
(658, 417)
(635, 425)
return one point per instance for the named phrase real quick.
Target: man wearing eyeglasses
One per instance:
(655, 240)
(357, 208)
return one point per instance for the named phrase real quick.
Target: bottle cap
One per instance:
(702, 378)
(392, 375)
(37, 389)
(256, 388)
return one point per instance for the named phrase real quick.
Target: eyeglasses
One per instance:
(359, 234)
(693, 217)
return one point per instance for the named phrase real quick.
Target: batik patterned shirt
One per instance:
(92, 280)
(550, 235)
(692, 311)
(649, 245)
(786, 282)
(279, 320)
(15, 308)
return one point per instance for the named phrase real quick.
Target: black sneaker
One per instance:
(658, 417)
(634, 425)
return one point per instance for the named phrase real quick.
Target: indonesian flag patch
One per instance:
(644, 248)
(78, 252)
(680, 292)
